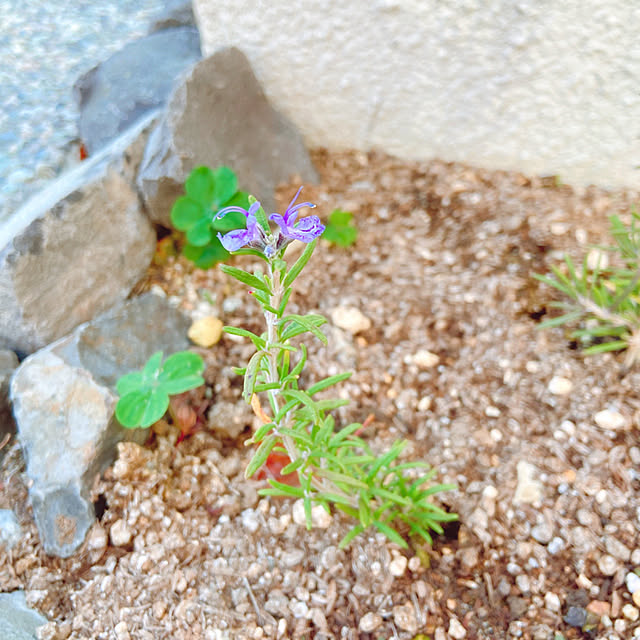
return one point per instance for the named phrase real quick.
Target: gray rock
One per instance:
(10, 529)
(75, 249)
(576, 617)
(133, 81)
(217, 116)
(17, 620)
(175, 13)
(63, 398)
(8, 363)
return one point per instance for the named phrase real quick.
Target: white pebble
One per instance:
(398, 566)
(609, 419)
(456, 630)
(319, 517)
(529, 488)
(552, 602)
(560, 386)
(369, 622)
(608, 565)
(424, 359)
(350, 319)
(597, 259)
(630, 612)
(250, 520)
(632, 580)
(492, 412)
(119, 533)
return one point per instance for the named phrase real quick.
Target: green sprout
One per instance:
(144, 395)
(340, 229)
(604, 301)
(207, 192)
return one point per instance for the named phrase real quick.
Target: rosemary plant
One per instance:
(603, 301)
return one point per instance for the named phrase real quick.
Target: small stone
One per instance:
(404, 616)
(635, 557)
(552, 602)
(424, 359)
(542, 533)
(599, 608)
(492, 412)
(122, 631)
(560, 386)
(298, 609)
(524, 584)
(610, 420)
(120, 534)
(617, 549)
(456, 630)
(97, 538)
(630, 612)
(369, 622)
(632, 580)
(555, 546)
(292, 558)
(529, 489)
(607, 564)
(636, 598)
(319, 517)
(597, 259)
(350, 319)
(576, 617)
(10, 530)
(424, 404)
(250, 520)
(398, 566)
(206, 332)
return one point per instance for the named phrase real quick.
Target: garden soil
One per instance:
(437, 316)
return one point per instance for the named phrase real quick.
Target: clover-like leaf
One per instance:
(144, 396)
(205, 257)
(225, 186)
(340, 229)
(201, 186)
(186, 212)
(200, 234)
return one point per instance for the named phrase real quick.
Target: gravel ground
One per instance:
(45, 47)
(542, 442)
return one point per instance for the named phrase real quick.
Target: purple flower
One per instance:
(253, 235)
(304, 230)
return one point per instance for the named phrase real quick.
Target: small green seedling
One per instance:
(340, 229)
(207, 192)
(144, 395)
(604, 301)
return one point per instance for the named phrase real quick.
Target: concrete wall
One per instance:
(537, 85)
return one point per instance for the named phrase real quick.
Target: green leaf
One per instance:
(200, 234)
(392, 534)
(340, 229)
(279, 489)
(205, 257)
(144, 396)
(237, 331)
(246, 278)
(152, 367)
(261, 455)
(250, 377)
(356, 531)
(186, 212)
(616, 345)
(225, 185)
(129, 383)
(200, 185)
(328, 382)
(299, 264)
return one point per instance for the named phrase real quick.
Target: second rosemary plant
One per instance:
(603, 301)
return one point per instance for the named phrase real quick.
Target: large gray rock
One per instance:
(63, 401)
(174, 13)
(75, 249)
(219, 115)
(8, 363)
(115, 94)
(17, 620)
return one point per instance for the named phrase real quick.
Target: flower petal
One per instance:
(307, 229)
(236, 239)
